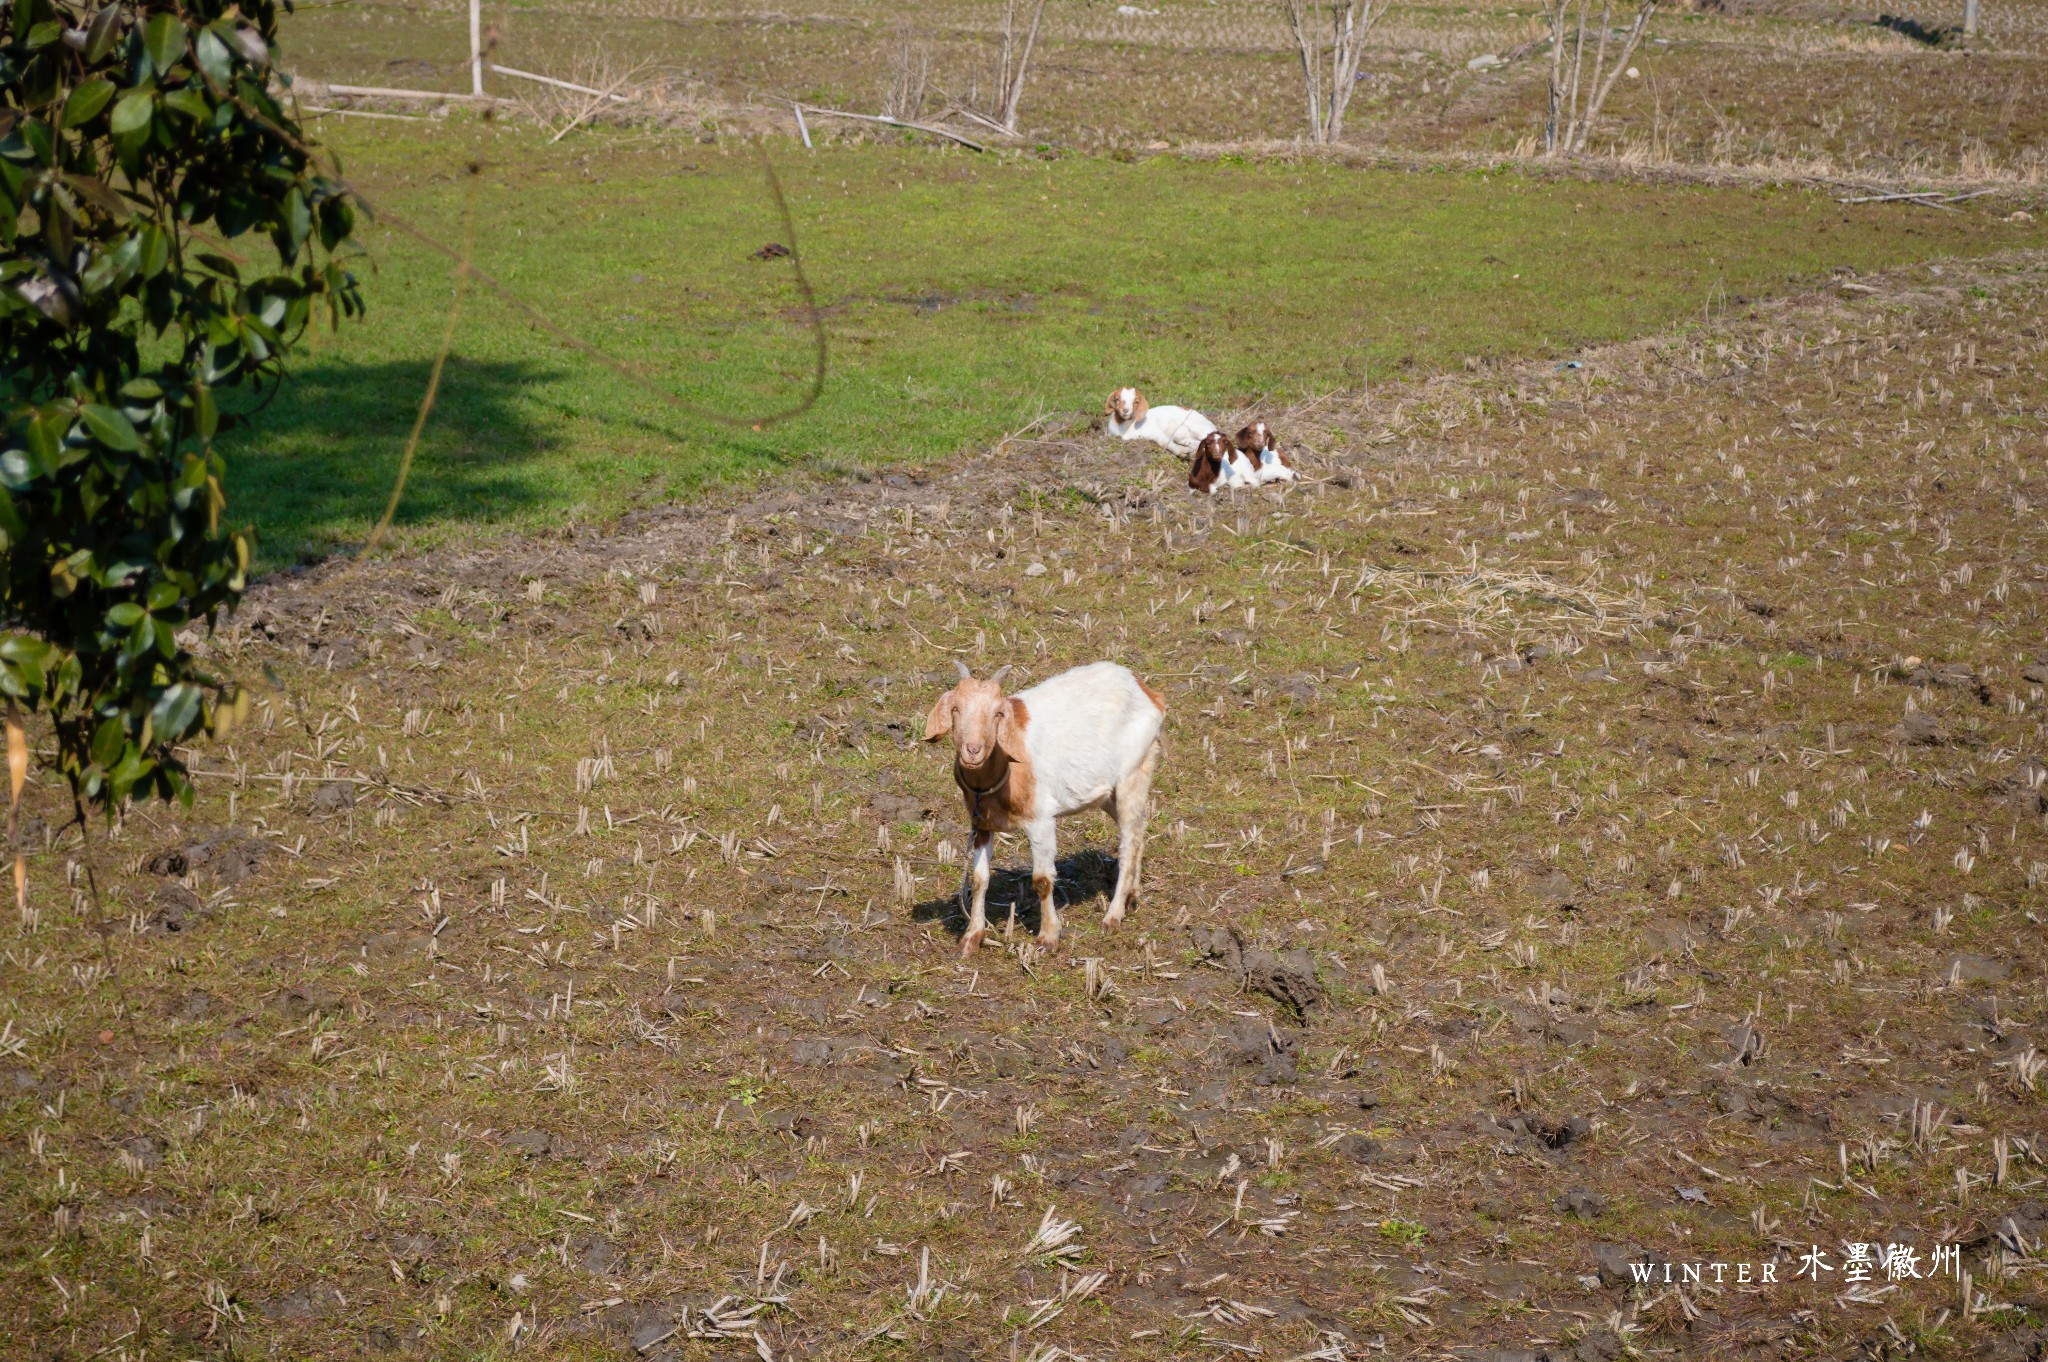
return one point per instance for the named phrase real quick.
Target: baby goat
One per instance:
(1085, 739)
(1217, 464)
(1256, 443)
(1178, 429)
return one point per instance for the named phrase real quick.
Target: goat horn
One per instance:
(965, 675)
(1000, 673)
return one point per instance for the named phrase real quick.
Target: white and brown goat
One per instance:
(1269, 463)
(1175, 429)
(1085, 739)
(1217, 464)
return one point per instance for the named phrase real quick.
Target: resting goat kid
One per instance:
(1216, 464)
(1256, 442)
(1086, 739)
(1178, 429)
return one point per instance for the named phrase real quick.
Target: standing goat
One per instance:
(1085, 739)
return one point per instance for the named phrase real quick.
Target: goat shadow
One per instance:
(1079, 877)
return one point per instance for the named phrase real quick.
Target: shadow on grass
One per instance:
(1917, 31)
(1082, 876)
(325, 451)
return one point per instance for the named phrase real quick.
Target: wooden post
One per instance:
(1969, 18)
(476, 47)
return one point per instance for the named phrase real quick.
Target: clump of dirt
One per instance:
(226, 857)
(1288, 977)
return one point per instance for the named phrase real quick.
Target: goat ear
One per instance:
(940, 722)
(1010, 722)
(1139, 406)
(1109, 406)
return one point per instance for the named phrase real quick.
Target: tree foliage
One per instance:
(165, 238)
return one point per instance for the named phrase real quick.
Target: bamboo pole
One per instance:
(894, 123)
(560, 84)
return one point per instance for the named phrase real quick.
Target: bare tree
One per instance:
(910, 74)
(1014, 62)
(1350, 21)
(1575, 93)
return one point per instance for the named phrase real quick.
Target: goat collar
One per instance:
(988, 807)
(984, 793)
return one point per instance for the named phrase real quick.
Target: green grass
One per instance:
(965, 296)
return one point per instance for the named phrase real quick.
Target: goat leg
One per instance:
(1044, 869)
(977, 876)
(1131, 807)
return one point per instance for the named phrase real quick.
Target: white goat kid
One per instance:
(1178, 429)
(1085, 739)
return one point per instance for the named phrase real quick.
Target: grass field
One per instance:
(964, 296)
(1647, 758)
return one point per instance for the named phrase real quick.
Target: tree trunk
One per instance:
(1311, 66)
(1350, 22)
(1576, 95)
(1015, 63)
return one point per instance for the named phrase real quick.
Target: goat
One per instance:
(1217, 464)
(1085, 739)
(1177, 429)
(1256, 443)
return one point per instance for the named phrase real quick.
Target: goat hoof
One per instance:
(1112, 917)
(971, 942)
(1049, 941)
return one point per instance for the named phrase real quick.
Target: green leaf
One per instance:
(337, 220)
(132, 770)
(163, 38)
(109, 742)
(189, 102)
(156, 251)
(35, 134)
(24, 664)
(98, 193)
(99, 39)
(87, 100)
(111, 428)
(124, 615)
(298, 224)
(132, 114)
(114, 268)
(212, 55)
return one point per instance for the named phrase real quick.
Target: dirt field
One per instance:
(1602, 825)
(1788, 87)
